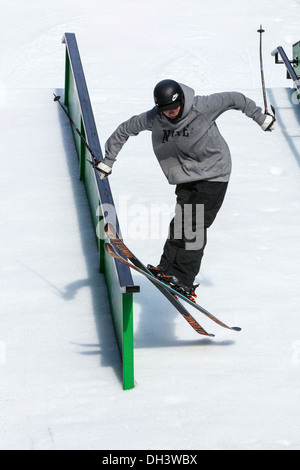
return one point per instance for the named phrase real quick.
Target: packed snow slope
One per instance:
(60, 384)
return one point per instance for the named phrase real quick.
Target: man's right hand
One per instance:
(104, 170)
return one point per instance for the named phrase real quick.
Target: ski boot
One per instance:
(156, 270)
(173, 282)
(188, 292)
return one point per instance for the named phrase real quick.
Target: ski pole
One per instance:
(94, 164)
(261, 31)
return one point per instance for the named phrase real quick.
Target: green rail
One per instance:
(118, 277)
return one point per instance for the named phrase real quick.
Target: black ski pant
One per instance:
(176, 259)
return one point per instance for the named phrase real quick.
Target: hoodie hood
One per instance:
(189, 95)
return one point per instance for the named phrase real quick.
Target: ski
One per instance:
(136, 264)
(110, 248)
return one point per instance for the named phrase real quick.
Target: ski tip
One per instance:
(236, 328)
(110, 229)
(208, 335)
(108, 247)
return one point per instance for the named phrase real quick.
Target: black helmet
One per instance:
(168, 94)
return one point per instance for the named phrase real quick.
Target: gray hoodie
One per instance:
(190, 148)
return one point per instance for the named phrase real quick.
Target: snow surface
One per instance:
(60, 370)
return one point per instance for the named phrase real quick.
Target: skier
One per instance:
(193, 156)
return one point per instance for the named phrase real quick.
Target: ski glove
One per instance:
(268, 124)
(104, 170)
